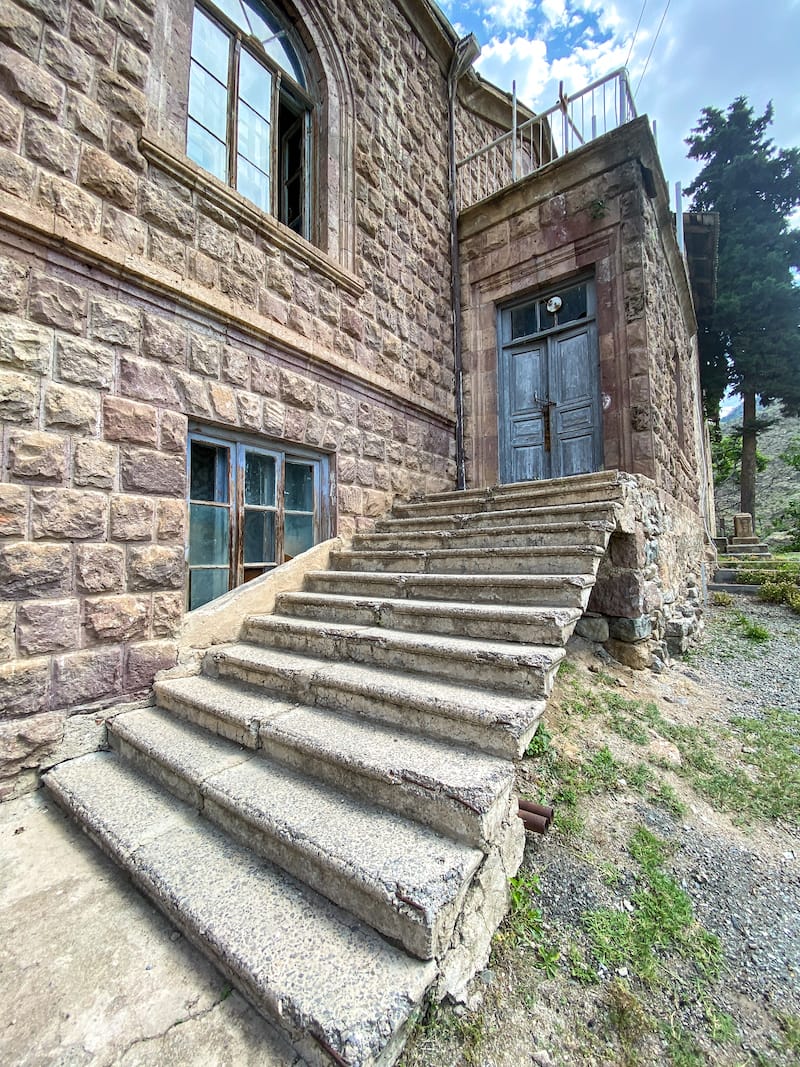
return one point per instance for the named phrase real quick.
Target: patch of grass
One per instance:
(667, 799)
(627, 1014)
(722, 600)
(578, 967)
(662, 921)
(439, 1025)
(682, 1048)
(525, 917)
(752, 631)
(790, 1039)
(540, 742)
(546, 958)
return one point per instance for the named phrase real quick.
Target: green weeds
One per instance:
(661, 920)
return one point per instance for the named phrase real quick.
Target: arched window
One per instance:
(249, 120)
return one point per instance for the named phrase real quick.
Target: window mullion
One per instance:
(233, 111)
(276, 178)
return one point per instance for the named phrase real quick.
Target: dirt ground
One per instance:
(694, 957)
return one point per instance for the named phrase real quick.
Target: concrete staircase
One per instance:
(327, 809)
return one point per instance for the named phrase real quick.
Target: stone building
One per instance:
(235, 238)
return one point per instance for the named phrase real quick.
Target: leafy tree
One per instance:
(751, 344)
(792, 454)
(726, 456)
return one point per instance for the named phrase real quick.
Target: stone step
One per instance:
(543, 626)
(604, 486)
(499, 521)
(338, 990)
(748, 550)
(255, 684)
(534, 590)
(509, 535)
(500, 665)
(398, 876)
(566, 559)
(734, 587)
(457, 791)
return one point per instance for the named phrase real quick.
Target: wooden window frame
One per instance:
(284, 88)
(237, 446)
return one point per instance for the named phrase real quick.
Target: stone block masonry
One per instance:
(138, 294)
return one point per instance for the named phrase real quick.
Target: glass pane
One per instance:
(259, 536)
(523, 321)
(208, 477)
(208, 102)
(282, 53)
(255, 84)
(210, 46)
(208, 535)
(206, 585)
(263, 24)
(259, 479)
(299, 489)
(208, 152)
(252, 183)
(253, 137)
(573, 304)
(298, 535)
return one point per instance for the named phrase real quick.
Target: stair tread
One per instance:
(572, 481)
(472, 580)
(469, 778)
(473, 649)
(465, 519)
(480, 705)
(500, 552)
(383, 851)
(499, 612)
(292, 951)
(369, 742)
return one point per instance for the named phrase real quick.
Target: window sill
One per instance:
(211, 189)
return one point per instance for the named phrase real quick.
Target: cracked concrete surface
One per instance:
(94, 975)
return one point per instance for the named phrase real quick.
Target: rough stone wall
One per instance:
(589, 214)
(647, 602)
(138, 294)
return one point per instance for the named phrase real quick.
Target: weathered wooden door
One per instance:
(549, 396)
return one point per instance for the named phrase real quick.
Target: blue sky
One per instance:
(707, 53)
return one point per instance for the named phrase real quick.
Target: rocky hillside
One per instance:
(775, 486)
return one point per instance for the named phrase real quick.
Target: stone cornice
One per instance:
(161, 155)
(51, 231)
(433, 28)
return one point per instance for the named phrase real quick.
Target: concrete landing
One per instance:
(95, 975)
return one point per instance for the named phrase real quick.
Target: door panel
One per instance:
(549, 410)
(523, 419)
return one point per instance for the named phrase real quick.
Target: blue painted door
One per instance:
(549, 403)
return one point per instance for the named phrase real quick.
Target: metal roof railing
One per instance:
(604, 105)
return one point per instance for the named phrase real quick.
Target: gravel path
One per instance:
(768, 672)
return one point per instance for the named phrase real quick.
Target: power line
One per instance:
(635, 32)
(652, 46)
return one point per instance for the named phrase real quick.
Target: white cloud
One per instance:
(508, 14)
(555, 11)
(519, 59)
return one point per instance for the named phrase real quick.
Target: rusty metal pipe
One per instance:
(537, 809)
(536, 823)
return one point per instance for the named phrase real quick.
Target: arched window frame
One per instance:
(282, 185)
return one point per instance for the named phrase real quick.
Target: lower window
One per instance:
(251, 508)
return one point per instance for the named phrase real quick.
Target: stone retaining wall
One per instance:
(647, 603)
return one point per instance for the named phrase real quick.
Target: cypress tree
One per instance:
(751, 344)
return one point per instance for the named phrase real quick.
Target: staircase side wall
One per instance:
(138, 293)
(602, 211)
(647, 602)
